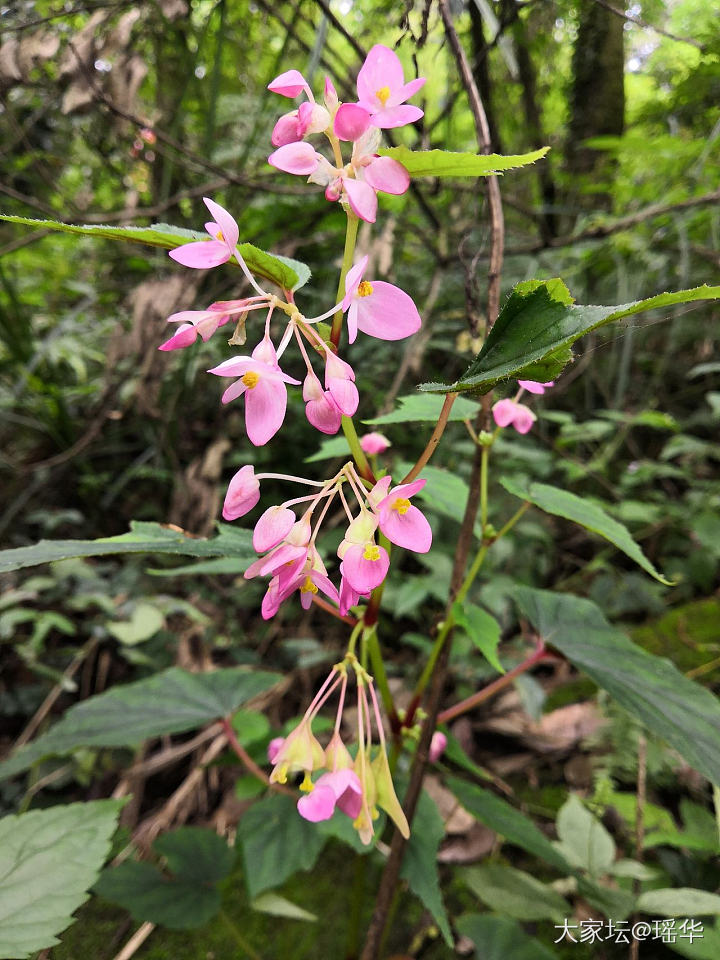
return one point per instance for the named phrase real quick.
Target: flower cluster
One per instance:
(382, 95)
(357, 787)
(509, 412)
(291, 558)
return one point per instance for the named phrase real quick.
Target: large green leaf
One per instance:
(499, 938)
(143, 537)
(48, 861)
(584, 841)
(516, 893)
(538, 323)
(482, 628)
(561, 503)
(679, 902)
(514, 826)
(444, 163)
(285, 272)
(419, 865)
(425, 408)
(672, 706)
(276, 842)
(172, 701)
(197, 858)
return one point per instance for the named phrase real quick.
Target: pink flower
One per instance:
(351, 121)
(365, 566)
(307, 119)
(203, 322)
(377, 308)
(263, 384)
(202, 254)
(348, 597)
(437, 746)
(374, 443)
(341, 789)
(320, 408)
(532, 386)
(506, 412)
(401, 522)
(382, 89)
(243, 493)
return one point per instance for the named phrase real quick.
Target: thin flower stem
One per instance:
(287, 476)
(350, 239)
(329, 608)
(491, 689)
(248, 761)
(249, 276)
(238, 937)
(513, 520)
(484, 488)
(434, 438)
(378, 668)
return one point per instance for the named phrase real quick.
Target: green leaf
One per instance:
(425, 408)
(482, 628)
(514, 826)
(614, 903)
(703, 945)
(444, 163)
(285, 272)
(278, 906)
(498, 938)
(172, 701)
(516, 893)
(145, 621)
(672, 706)
(419, 866)
(251, 726)
(143, 537)
(537, 325)
(329, 449)
(48, 861)
(584, 841)
(679, 902)
(561, 503)
(276, 842)
(196, 854)
(150, 896)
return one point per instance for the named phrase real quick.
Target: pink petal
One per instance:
(347, 789)
(396, 116)
(317, 805)
(524, 418)
(330, 94)
(243, 493)
(382, 68)
(274, 747)
(230, 230)
(532, 386)
(405, 92)
(201, 254)
(324, 414)
(345, 394)
(272, 527)
(410, 529)
(352, 322)
(351, 121)
(184, 336)
(504, 412)
(234, 367)
(325, 584)
(234, 391)
(265, 406)
(362, 573)
(299, 158)
(387, 313)
(408, 489)
(386, 174)
(362, 199)
(286, 130)
(289, 84)
(437, 746)
(304, 117)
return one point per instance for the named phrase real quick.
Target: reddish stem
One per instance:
(248, 761)
(329, 608)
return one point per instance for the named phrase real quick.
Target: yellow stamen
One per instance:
(250, 379)
(371, 552)
(402, 505)
(382, 94)
(308, 586)
(365, 289)
(307, 785)
(219, 235)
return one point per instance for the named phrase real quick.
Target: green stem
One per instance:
(238, 937)
(350, 240)
(356, 450)
(484, 488)
(356, 905)
(378, 669)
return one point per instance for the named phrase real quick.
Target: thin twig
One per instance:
(248, 761)
(624, 15)
(639, 823)
(435, 437)
(135, 942)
